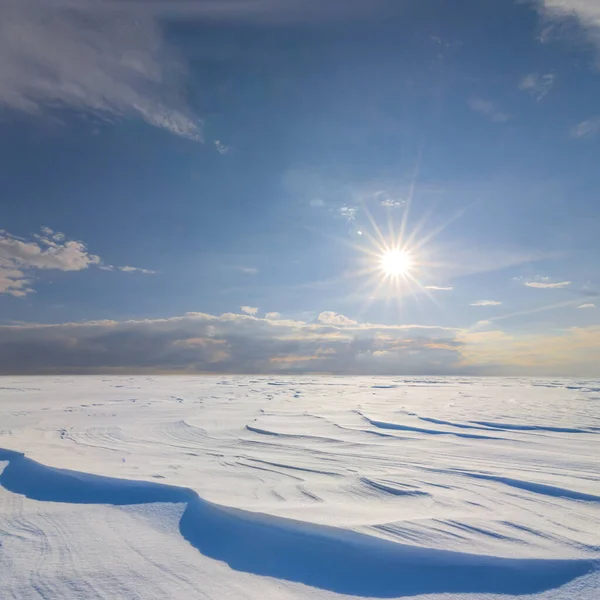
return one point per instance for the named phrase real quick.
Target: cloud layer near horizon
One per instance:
(332, 343)
(200, 342)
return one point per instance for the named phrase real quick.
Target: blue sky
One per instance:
(199, 186)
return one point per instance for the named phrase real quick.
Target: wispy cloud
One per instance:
(586, 11)
(136, 270)
(537, 85)
(546, 286)
(385, 199)
(488, 109)
(533, 311)
(20, 258)
(391, 203)
(221, 147)
(543, 283)
(467, 260)
(481, 324)
(331, 318)
(273, 316)
(438, 288)
(99, 57)
(589, 305)
(486, 303)
(249, 310)
(111, 59)
(586, 129)
(348, 212)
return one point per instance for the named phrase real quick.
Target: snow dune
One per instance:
(319, 556)
(256, 487)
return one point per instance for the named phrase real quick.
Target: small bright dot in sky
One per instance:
(395, 263)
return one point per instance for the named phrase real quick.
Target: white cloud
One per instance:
(136, 270)
(92, 56)
(42, 252)
(273, 316)
(544, 284)
(537, 85)
(348, 212)
(438, 288)
(248, 270)
(586, 129)
(249, 310)
(14, 282)
(489, 110)
(390, 203)
(221, 147)
(110, 58)
(329, 317)
(21, 257)
(483, 323)
(486, 303)
(587, 306)
(586, 11)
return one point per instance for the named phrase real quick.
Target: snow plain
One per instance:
(299, 487)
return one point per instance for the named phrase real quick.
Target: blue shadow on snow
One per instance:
(333, 559)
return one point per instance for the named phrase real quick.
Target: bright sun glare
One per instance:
(396, 263)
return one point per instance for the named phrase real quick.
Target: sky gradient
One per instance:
(203, 186)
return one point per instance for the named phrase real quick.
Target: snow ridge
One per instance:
(329, 558)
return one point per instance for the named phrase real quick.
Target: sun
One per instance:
(396, 263)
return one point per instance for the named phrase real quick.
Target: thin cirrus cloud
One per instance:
(486, 303)
(586, 11)
(537, 85)
(586, 129)
(110, 58)
(273, 316)
(127, 269)
(21, 258)
(437, 288)
(102, 58)
(588, 305)
(488, 109)
(544, 283)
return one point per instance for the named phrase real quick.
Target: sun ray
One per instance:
(411, 192)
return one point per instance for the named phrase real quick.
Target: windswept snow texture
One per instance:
(304, 487)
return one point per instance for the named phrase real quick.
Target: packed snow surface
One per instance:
(301, 487)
